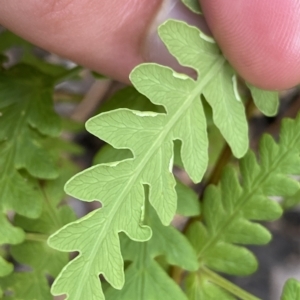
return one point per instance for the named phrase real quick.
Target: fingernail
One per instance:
(154, 49)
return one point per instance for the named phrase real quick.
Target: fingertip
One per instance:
(261, 39)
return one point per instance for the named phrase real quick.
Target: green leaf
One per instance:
(148, 281)
(177, 156)
(29, 286)
(187, 201)
(188, 205)
(61, 145)
(27, 117)
(197, 287)
(193, 49)
(230, 208)
(193, 5)
(130, 98)
(17, 190)
(119, 186)
(53, 215)
(109, 154)
(27, 99)
(34, 251)
(291, 290)
(8, 233)
(216, 146)
(266, 101)
(145, 279)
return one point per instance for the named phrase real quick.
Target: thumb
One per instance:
(261, 38)
(108, 36)
(102, 35)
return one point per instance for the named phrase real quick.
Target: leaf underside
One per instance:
(145, 278)
(149, 136)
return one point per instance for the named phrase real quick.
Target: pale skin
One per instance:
(260, 38)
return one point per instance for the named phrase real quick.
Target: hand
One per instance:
(261, 38)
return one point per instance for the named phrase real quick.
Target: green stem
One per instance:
(227, 285)
(36, 237)
(67, 74)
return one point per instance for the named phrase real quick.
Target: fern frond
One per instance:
(27, 117)
(144, 272)
(230, 209)
(34, 251)
(187, 200)
(149, 136)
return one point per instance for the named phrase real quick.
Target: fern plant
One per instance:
(230, 207)
(120, 186)
(128, 248)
